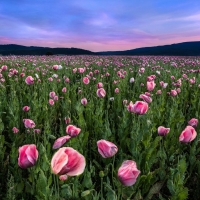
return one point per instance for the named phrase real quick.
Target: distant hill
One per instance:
(180, 49)
(13, 49)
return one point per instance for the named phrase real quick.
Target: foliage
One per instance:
(169, 169)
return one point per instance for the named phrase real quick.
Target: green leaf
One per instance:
(19, 187)
(85, 193)
(1, 126)
(42, 183)
(155, 189)
(51, 136)
(87, 181)
(183, 194)
(182, 165)
(45, 164)
(111, 195)
(85, 139)
(171, 187)
(50, 180)
(97, 164)
(138, 196)
(29, 188)
(40, 196)
(65, 186)
(66, 191)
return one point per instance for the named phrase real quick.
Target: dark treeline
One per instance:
(180, 49)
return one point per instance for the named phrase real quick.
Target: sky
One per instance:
(99, 25)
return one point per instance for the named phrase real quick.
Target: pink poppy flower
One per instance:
(63, 177)
(52, 94)
(193, 122)
(28, 155)
(26, 108)
(188, 134)
(142, 70)
(81, 70)
(55, 67)
(173, 93)
(148, 94)
(22, 75)
(60, 141)
(106, 149)
(29, 80)
(67, 120)
(51, 102)
(162, 131)
(128, 173)
(64, 90)
(67, 80)
(86, 80)
(140, 107)
(101, 93)
(50, 79)
(159, 92)
(178, 90)
(36, 130)
(145, 98)
(99, 85)
(28, 123)
(4, 67)
(116, 90)
(150, 85)
(67, 161)
(15, 130)
(72, 130)
(84, 101)
(55, 98)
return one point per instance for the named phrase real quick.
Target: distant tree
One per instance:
(49, 53)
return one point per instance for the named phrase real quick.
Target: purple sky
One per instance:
(99, 25)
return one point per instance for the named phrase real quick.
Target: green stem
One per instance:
(54, 179)
(113, 171)
(33, 180)
(34, 136)
(57, 183)
(165, 150)
(121, 191)
(72, 190)
(101, 188)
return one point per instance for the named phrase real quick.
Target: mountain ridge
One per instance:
(178, 49)
(14, 49)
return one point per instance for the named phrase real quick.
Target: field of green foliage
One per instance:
(99, 127)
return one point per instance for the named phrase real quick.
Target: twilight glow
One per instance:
(99, 25)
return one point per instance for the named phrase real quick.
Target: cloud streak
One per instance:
(98, 25)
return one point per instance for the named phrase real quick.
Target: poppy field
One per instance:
(99, 127)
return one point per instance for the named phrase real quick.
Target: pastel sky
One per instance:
(99, 25)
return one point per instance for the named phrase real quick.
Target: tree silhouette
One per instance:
(49, 53)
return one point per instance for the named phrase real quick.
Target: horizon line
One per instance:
(102, 51)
